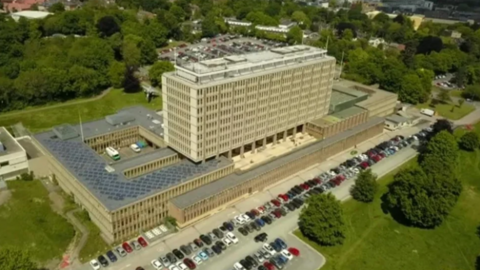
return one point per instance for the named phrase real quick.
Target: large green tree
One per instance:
(365, 186)
(420, 200)
(295, 35)
(411, 89)
(116, 74)
(322, 220)
(156, 71)
(440, 156)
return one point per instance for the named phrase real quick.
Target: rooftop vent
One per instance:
(119, 119)
(65, 132)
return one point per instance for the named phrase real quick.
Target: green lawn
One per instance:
(376, 242)
(28, 222)
(41, 118)
(95, 244)
(445, 110)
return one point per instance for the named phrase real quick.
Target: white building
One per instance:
(30, 14)
(13, 158)
(235, 22)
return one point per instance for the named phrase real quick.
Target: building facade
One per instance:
(238, 102)
(13, 158)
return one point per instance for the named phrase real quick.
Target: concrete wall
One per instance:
(13, 164)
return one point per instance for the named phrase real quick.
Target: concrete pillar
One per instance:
(241, 150)
(253, 147)
(229, 153)
(275, 138)
(264, 142)
(304, 128)
(285, 136)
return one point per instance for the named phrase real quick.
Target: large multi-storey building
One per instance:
(238, 103)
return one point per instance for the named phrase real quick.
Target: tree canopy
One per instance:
(322, 220)
(156, 71)
(469, 141)
(365, 186)
(440, 156)
(15, 259)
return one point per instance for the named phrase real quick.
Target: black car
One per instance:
(185, 250)
(267, 219)
(261, 267)
(282, 211)
(245, 264)
(251, 260)
(178, 254)
(248, 228)
(222, 228)
(218, 233)
(216, 249)
(250, 215)
(198, 242)
(111, 256)
(290, 206)
(102, 261)
(255, 226)
(221, 245)
(206, 239)
(261, 237)
(228, 225)
(171, 257)
(298, 189)
(243, 231)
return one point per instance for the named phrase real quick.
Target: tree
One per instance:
(444, 96)
(116, 74)
(322, 220)
(411, 89)
(157, 33)
(57, 7)
(416, 199)
(430, 44)
(156, 71)
(344, 26)
(295, 35)
(470, 141)
(472, 91)
(440, 156)
(209, 27)
(16, 259)
(302, 19)
(107, 26)
(442, 125)
(394, 71)
(365, 187)
(178, 12)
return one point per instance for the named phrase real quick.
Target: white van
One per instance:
(111, 152)
(135, 148)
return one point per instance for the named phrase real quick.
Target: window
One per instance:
(3, 164)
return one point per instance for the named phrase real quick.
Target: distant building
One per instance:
(13, 158)
(235, 22)
(30, 14)
(20, 5)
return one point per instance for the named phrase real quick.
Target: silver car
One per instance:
(121, 251)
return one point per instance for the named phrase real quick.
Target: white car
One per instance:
(269, 249)
(157, 264)
(245, 217)
(232, 237)
(197, 260)
(135, 148)
(182, 266)
(227, 241)
(240, 219)
(287, 254)
(173, 267)
(259, 257)
(95, 265)
(238, 266)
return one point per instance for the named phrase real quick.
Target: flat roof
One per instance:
(243, 64)
(9, 142)
(236, 179)
(375, 94)
(112, 188)
(348, 112)
(340, 97)
(337, 117)
(397, 119)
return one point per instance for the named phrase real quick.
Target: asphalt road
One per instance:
(309, 260)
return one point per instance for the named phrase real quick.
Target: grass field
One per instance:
(41, 118)
(445, 110)
(95, 244)
(376, 242)
(28, 222)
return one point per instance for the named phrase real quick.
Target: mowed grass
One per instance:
(41, 118)
(449, 111)
(28, 222)
(95, 244)
(376, 242)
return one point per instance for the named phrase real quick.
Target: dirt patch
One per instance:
(5, 196)
(58, 203)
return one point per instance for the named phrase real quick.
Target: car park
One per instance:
(156, 264)
(197, 260)
(142, 242)
(206, 239)
(269, 249)
(232, 237)
(172, 258)
(182, 266)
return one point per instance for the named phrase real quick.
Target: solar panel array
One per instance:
(89, 168)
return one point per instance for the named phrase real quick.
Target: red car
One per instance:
(261, 209)
(376, 158)
(275, 202)
(364, 165)
(269, 266)
(341, 177)
(283, 197)
(189, 263)
(255, 212)
(295, 252)
(142, 241)
(318, 181)
(305, 187)
(127, 247)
